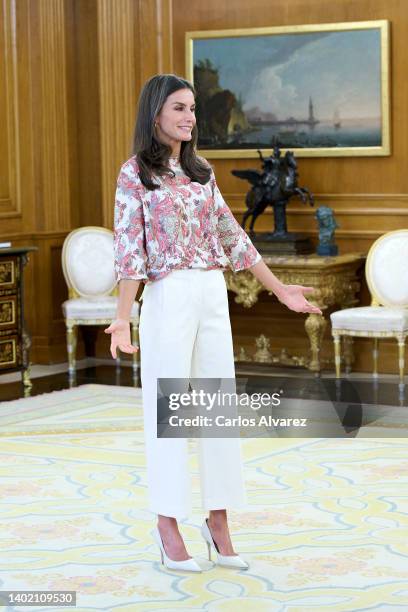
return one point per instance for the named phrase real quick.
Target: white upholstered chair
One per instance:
(88, 267)
(387, 279)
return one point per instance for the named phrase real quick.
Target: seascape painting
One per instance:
(322, 91)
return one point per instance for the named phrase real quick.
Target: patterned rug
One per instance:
(325, 525)
(86, 408)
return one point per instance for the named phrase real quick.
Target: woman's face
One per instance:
(176, 119)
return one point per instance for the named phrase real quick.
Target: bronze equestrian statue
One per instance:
(274, 186)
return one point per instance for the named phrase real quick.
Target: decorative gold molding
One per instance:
(263, 354)
(245, 286)
(338, 331)
(335, 281)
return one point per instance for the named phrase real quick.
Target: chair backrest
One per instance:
(387, 269)
(88, 261)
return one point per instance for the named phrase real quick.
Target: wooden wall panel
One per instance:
(10, 198)
(37, 160)
(70, 76)
(343, 183)
(134, 43)
(369, 195)
(83, 76)
(117, 40)
(38, 166)
(53, 118)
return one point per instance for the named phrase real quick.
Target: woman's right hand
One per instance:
(120, 337)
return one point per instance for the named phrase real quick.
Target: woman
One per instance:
(175, 233)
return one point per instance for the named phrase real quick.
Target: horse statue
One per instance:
(274, 185)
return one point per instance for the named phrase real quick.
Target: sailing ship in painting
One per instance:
(224, 122)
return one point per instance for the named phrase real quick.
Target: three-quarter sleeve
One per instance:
(129, 232)
(235, 242)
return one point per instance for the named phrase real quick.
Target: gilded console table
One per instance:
(15, 341)
(336, 281)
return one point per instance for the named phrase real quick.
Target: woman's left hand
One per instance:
(293, 296)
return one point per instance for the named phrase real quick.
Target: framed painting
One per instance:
(319, 90)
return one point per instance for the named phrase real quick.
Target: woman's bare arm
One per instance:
(120, 327)
(261, 271)
(290, 295)
(127, 294)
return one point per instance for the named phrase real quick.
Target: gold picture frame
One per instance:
(216, 55)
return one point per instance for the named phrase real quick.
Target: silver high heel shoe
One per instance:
(188, 565)
(224, 560)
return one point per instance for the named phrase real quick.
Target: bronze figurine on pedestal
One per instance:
(274, 185)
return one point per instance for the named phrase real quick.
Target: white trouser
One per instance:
(185, 332)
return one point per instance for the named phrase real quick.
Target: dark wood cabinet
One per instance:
(15, 340)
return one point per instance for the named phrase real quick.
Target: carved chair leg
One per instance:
(375, 358)
(401, 358)
(337, 357)
(348, 353)
(71, 346)
(25, 374)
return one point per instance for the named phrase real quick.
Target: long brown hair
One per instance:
(151, 154)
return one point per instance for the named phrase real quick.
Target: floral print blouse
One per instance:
(181, 224)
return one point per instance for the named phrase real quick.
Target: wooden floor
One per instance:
(298, 382)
